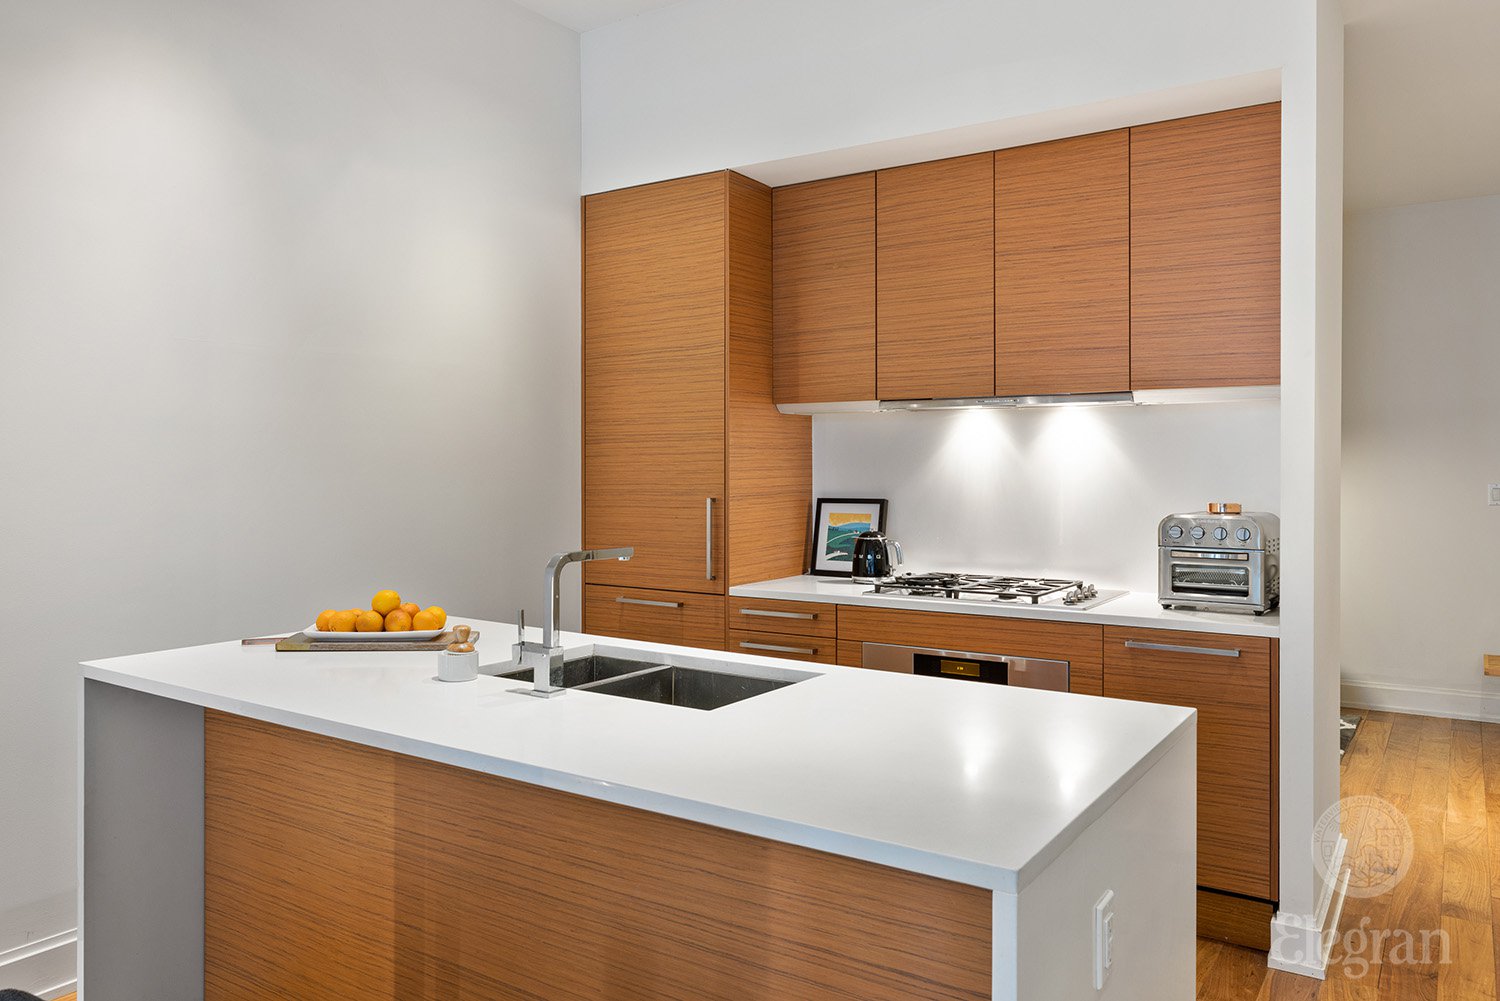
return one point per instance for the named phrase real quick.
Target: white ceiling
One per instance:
(582, 15)
(1422, 93)
(1421, 101)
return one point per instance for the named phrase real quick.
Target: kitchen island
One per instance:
(345, 825)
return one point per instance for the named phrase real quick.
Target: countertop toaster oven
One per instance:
(1223, 560)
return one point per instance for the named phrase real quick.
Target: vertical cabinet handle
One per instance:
(708, 532)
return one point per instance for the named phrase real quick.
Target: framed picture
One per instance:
(836, 524)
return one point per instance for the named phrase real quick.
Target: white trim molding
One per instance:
(45, 966)
(1420, 700)
(1301, 943)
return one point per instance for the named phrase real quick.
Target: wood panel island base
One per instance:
(258, 825)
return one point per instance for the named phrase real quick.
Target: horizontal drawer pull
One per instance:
(778, 615)
(810, 651)
(1206, 651)
(646, 601)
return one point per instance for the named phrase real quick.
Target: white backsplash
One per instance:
(1074, 491)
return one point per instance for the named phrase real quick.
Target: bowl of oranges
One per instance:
(387, 618)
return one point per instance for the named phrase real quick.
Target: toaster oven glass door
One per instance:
(1211, 579)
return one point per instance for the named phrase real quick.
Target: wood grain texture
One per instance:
(1236, 920)
(698, 619)
(1080, 645)
(1425, 768)
(654, 380)
(800, 618)
(478, 887)
(1233, 696)
(816, 649)
(823, 237)
(935, 279)
(1062, 266)
(1205, 250)
(768, 454)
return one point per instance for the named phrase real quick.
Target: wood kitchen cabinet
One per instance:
(823, 282)
(935, 279)
(1205, 250)
(685, 456)
(1231, 681)
(1062, 266)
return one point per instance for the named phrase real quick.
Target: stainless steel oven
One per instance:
(988, 668)
(1225, 562)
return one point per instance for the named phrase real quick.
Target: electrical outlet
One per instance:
(1104, 938)
(1495, 495)
(1492, 664)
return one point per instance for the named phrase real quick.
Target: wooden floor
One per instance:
(1444, 775)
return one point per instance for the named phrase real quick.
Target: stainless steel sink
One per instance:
(586, 670)
(688, 687)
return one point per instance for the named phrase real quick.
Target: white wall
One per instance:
(1421, 444)
(707, 84)
(289, 309)
(1074, 491)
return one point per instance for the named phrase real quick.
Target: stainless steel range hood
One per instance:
(1141, 397)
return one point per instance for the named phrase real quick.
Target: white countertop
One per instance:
(980, 784)
(1134, 608)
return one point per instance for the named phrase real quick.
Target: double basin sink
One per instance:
(667, 684)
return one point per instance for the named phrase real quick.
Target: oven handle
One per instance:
(1201, 554)
(1205, 651)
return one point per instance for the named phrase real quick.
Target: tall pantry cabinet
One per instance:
(685, 456)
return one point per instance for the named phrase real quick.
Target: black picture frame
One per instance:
(826, 559)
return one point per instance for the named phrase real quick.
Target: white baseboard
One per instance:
(1301, 943)
(47, 967)
(1420, 700)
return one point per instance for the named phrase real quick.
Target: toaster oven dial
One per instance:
(1197, 531)
(1221, 533)
(1174, 531)
(1243, 535)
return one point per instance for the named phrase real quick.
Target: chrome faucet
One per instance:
(546, 658)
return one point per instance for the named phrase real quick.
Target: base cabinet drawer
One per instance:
(1230, 681)
(792, 647)
(634, 613)
(800, 618)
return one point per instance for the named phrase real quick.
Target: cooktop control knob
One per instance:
(1243, 535)
(1174, 531)
(1221, 533)
(1197, 531)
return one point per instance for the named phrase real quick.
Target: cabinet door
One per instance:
(935, 279)
(1228, 679)
(1062, 266)
(824, 290)
(653, 383)
(681, 617)
(1205, 239)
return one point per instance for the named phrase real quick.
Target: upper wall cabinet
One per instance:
(935, 271)
(1205, 239)
(824, 290)
(1062, 266)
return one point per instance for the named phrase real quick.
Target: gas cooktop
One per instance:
(996, 587)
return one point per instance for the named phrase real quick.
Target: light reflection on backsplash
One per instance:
(1073, 491)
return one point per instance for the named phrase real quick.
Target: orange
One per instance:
(439, 614)
(411, 608)
(370, 622)
(385, 601)
(425, 620)
(397, 621)
(342, 622)
(323, 618)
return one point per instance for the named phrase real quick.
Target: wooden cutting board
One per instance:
(302, 643)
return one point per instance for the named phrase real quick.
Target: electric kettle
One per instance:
(872, 557)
